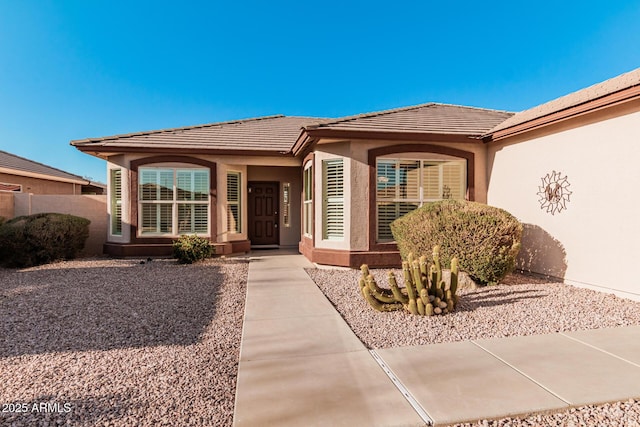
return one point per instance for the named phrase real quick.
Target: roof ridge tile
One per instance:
(402, 109)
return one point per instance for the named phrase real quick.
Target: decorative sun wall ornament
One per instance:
(554, 193)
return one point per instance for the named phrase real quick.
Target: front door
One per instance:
(263, 213)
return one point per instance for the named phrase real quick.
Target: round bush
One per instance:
(189, 249)
(38, 239)
(485, 239)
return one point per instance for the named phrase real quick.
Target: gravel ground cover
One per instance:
(120, 343)
(523, 305)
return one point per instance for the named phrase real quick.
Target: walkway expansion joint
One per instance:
(422, 413)
(533, 380)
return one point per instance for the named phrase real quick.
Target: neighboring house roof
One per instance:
(16, 165)
(617, 89)
(430, 120)
(262, 135)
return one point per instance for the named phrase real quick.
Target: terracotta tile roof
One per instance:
(583, 96)
(17, 164)
(425, 118)
(262, 134)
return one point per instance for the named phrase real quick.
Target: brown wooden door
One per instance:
(263, 213)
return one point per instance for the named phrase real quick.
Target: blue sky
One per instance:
(77, 69)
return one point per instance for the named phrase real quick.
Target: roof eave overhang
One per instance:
(106, 151)
(18, 172)
(618, 98)
(308, 136)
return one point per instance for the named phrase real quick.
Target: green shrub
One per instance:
(189, 249)
(485, 239)
(38, 239)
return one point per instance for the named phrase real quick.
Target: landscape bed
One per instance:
(522, 305)
(120, 342)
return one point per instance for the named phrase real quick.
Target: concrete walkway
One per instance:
(300, 364)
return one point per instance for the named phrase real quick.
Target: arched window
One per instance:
(173, 201)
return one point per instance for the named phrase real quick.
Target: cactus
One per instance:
(385, 297)
(425, 294)
(417, 276)
(428, 310)
(412, 306)
(376, 304)
(453, 286)
(397, 293)
(408, 281)
(436, 261)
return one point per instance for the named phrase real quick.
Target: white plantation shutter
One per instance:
(148, 188)
(165, 185)
(453, 181)
(157, 217)
(116, 202)
(233, 202)
(386, 179)
(408, 180)
(387, 213)
(164, 210)
(192, 218)
(333, 199)
(403, 185)
(430, 181)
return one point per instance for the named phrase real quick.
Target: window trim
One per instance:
(374, 153)
(132, 202)
(307, 200)
(115, 202)
(420, 198)
(335, 201)
(238, 203)
(8, 184)
(175, 202)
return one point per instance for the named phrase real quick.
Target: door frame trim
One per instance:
(249, 207)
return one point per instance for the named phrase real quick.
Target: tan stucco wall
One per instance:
(86, 206)
(41, 186)
(6, 205)
(598, 231)
(223, 164)
(289, 236)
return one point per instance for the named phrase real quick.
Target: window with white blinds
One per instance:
(234, 199)
(115, 181)
(403, 185)
(173, 201)
(333, 199)
(307, 200)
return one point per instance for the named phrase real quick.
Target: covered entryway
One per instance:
(263, 213)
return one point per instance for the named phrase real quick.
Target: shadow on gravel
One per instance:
(103, 308)
(490, 297)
